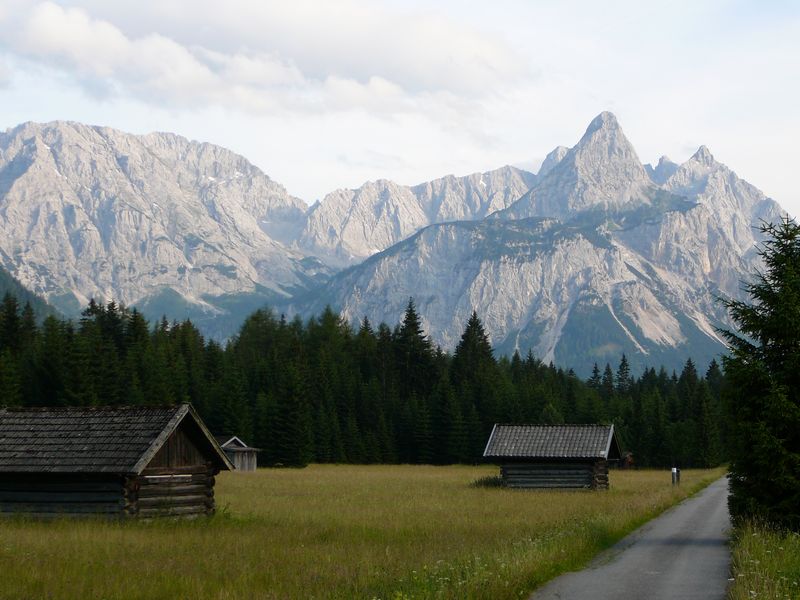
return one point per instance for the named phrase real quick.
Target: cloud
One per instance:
(263, 57)
(418, 49)
(5, 73)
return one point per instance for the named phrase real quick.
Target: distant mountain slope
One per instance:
(94, 212)
(595, 260)
(9, 285)
(350, 225)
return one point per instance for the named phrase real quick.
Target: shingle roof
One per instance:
(232, 443)
(230, 440)
(551, 441)
(88, 440)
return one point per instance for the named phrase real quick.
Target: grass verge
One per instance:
(340, 532)
(766, 564)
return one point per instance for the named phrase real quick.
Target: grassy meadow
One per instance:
(339, 532)
(766, 564)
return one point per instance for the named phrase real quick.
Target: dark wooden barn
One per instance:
(243, 457)
(553, 456)
(138, 461)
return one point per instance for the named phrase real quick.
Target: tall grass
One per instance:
(339, 532)
(766, 564)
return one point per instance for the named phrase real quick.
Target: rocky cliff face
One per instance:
(350, 225)
(598, 258)
(601, 172)
(93, 212)
(595, 256)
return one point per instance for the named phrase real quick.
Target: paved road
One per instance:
(681, 555)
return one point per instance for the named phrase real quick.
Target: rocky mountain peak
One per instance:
(552, 159)
(601, 171)
(662, 171)
(604, 121)
(704, 157)
(605, 142)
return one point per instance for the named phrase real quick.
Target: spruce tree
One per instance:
(415, 354)
(624, 376)
(707, 428)
(763, 399)
(475, 368)
(10, 384)
(10, 323)
(293, 441)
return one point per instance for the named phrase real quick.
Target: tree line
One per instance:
(322, 391)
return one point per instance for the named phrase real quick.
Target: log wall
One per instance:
(52, 495)
(171, 492)
(600, 475)
(555, 475)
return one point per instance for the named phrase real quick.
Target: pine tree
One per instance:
(551, 415)
(707, 430)
(624, 382)
(763, 402)
(415, 354)
(293, 443)
(475, 368)
(595, 380)
(28, 331)
(9, 323)
(10, 385)
(607, 389)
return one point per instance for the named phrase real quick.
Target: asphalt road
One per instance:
(681, 555)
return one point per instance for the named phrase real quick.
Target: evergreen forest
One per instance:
(323, 391)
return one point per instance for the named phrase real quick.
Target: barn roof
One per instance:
(234, 443)
(108, 439)
(552, 441)
(229, 440)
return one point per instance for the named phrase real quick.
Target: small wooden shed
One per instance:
(553, 456)
(138, 461)
(243, 457)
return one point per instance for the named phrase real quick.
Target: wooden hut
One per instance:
(243, 457)
(139, 461)
(553, 456)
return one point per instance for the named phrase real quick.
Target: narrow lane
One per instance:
(681, 555)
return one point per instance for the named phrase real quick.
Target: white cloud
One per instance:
(418, 49)
(259, 58)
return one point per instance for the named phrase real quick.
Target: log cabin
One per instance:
(134, 461)
(243, 457)
(553, 456)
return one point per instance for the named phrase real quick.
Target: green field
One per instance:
(339, 532)
(766, 564)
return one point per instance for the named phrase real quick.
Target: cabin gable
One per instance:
(179, 450)
(112, 461)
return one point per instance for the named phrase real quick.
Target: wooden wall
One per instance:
(559, 475)
(171, 492)
(178, 451)
(51, 495)
(177, 482)
(243, 460)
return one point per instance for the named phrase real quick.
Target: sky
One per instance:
(325, 95)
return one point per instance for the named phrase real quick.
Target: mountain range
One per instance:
(595, 255)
